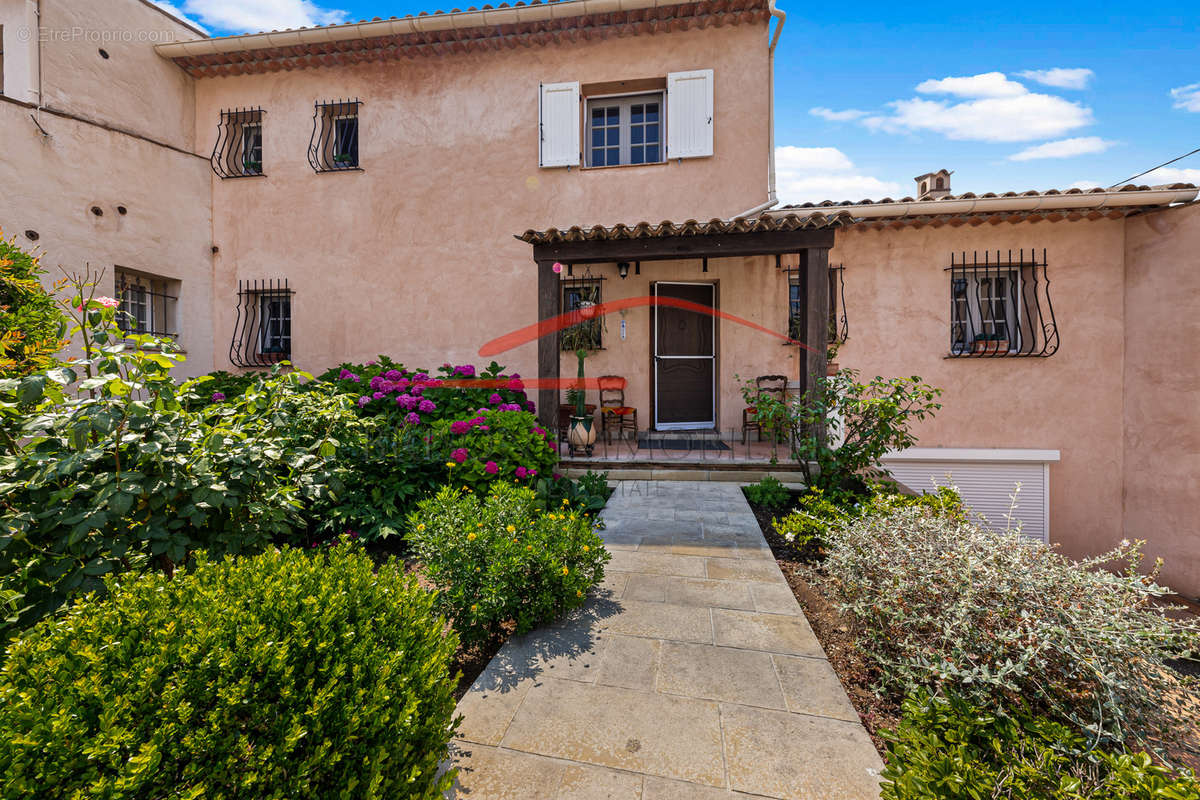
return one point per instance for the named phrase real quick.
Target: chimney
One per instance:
(933, 185)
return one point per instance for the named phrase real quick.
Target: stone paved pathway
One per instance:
(691, 673)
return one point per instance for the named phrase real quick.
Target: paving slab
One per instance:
(689, 674)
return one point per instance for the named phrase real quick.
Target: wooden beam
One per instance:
(816, 305)
(548, 355)
(720, 245)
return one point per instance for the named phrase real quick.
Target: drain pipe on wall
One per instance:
(780, 18)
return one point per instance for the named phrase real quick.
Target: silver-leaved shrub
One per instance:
(942, 603)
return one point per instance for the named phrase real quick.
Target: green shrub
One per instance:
(861, 422)
(769, 493)
(495, 445)
(814, 513)
(284, 675)
(946, 748)
(589, 494)
(497, 559)
(223, 387)
(122, 478)
(32, 328)
(941, 603)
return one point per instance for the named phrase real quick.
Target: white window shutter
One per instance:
(690, 114)
(558, 111)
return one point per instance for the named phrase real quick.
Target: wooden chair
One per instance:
(773, 384)
(614, 414)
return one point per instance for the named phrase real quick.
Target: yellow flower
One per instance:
(565, 570)
(586, 548)
(566, 502)
(511, 528)
(471, 536)
(578, 593)
(474, 608)
(528, 547)
(451, 464)
(421, 527)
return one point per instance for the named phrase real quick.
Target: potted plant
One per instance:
(582, 433)
(342, 158)
(252, 166)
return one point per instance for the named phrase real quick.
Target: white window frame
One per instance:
(252, 150)
(625, 125)
(976, 312)
(270, 324)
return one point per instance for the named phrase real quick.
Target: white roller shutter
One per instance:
(558, 124)
(986, 487)
(690, 114)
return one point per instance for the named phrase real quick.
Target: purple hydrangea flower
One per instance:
(491, 468)
(515, 384)
(412, 418)
(376, 382)
(459, 454)
(426, 406)
(406, 401)
(362, 401)
(522, 472)
(217, 397)
(378, 395)
(421, 376)
(508, 407)
(392, 375)
(466, 370)
(460, 426)
(529, 406)
(495, 398)
(416, 389)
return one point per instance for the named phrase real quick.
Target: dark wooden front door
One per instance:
(684, 359)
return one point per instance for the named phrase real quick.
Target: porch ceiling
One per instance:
(717, 238)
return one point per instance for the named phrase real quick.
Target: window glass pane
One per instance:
(597, 157)
(614, 115)
(598, 114)
(635, 114)
(636, 155)
(597, 137)
(614, 136)
(635, 135)
(652, 154)
(652, 112)
(651, 133)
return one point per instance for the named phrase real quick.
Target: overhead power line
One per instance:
(1165, 163)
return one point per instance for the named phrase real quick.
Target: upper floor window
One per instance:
(1001, 307)
(147, 303)
(334, 143)
(238, 152)
(637, 121)
(625, 130)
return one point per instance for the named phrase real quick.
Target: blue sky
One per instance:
(1015, 97)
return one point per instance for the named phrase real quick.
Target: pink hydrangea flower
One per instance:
(515, 384)
(495, 398)
(491, 468)
(459, 454)
(466, 370)
(522, 472)
(378, 395)
(412, 418)
(460, 426)
(426, 406)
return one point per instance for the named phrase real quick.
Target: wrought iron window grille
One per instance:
(238, 151)
(1001, 308)
(580, 295)
(333, 146)
(146, 304)
(262, 332)
(839, 325)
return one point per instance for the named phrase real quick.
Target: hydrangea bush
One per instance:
(942, 603)
(495, 445)
(498, 559)
(388, 388)
(283, 675)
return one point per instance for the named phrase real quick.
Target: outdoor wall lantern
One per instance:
(623, 269)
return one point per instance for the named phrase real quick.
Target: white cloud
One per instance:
(837, 116)
(1060, 77)
(261, 15)
(1170, 175)
(176, 12)
(1019, 118)
(988, 84)
(1084, 185)
(1063, 148)
(812, 174)
(1187, 97)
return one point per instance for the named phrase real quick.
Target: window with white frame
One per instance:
(275, 324)
(625, 130)
(984, 312)
(147, 303)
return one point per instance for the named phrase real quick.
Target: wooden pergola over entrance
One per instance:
(808, 237)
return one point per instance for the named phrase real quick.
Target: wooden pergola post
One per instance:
(547, 344)
(816, 304)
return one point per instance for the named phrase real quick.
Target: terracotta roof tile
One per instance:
(691, 227)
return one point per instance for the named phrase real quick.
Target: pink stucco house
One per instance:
(408, 185)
